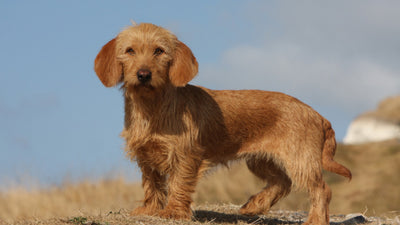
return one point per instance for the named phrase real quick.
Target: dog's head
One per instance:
(145, 56)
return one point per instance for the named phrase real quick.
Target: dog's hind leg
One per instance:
(278, 186)
(320, 196)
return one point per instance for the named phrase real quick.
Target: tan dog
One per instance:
(175, 131)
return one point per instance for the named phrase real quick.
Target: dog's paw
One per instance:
(175, 214)
(249, 209)
(143, 210)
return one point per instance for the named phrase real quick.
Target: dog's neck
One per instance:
(142, 106)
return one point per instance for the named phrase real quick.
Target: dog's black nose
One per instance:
(144, 75)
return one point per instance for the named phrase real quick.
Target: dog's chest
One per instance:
(148, 149)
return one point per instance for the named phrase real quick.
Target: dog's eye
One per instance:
(158, 51)
(130, 51)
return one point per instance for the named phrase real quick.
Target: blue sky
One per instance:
(58, 122)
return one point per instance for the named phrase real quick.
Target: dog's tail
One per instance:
(329, 151)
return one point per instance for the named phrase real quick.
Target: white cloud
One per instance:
(342, 53)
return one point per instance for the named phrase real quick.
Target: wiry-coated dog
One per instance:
(175, 131)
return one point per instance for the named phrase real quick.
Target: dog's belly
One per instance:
(233, 150)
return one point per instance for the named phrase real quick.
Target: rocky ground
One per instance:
(215, 214)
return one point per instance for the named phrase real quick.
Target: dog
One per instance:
(175, 131)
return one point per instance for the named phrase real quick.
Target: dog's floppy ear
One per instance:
(106, 66)
(184, 66)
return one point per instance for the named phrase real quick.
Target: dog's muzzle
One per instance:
(143, 75)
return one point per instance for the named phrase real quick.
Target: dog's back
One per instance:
(240, 123)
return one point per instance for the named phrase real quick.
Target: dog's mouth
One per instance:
(145, 86)
(136, 86)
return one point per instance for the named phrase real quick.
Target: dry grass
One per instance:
(80, 199)
(374, 189)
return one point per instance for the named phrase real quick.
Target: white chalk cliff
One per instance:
(378, 125)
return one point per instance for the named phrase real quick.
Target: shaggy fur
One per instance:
(175, 131)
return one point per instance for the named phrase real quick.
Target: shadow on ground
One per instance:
(204, 216)
(217, 217)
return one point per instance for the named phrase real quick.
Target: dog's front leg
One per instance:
(181, 184)
(155, 192)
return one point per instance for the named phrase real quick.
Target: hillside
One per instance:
(373, 191)
(388, 109)
(380, 124)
